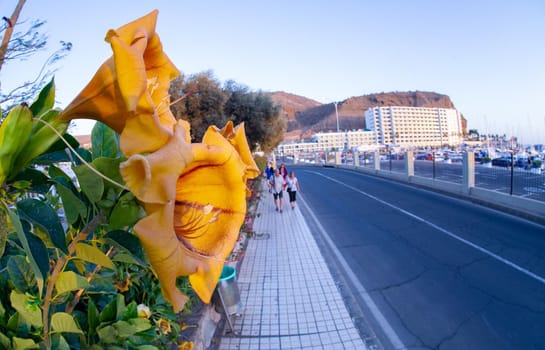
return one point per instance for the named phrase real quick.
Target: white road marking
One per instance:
(360, 289)
(440, 229)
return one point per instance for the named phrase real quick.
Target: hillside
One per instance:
(306, 116)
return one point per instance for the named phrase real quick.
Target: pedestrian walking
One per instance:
(277, 184)
(283, 171)
(292, 187)
(269, 173)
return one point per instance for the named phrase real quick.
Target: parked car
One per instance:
(504, 162)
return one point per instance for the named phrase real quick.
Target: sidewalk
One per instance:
(289, 296)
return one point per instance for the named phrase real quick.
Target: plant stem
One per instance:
(59, 266)
(70, 307)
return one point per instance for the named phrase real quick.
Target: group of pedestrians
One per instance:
(279, 180)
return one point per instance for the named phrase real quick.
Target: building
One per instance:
(415, 126)
(401, 127)
(345, 140)
(331, 141)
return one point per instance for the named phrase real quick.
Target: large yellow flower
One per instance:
(194, 194)
(211, 202)
(129, 92)
(195, 197)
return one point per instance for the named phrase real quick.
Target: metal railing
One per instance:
(506, 176)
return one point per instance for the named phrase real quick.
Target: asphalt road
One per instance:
(427, 270)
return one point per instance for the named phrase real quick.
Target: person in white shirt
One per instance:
(277, 183)
(292, 188)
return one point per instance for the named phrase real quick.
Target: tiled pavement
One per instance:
(289, 297)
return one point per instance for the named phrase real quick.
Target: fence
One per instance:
(506, 184)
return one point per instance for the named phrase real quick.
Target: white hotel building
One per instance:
(405, 127)
(415, 126)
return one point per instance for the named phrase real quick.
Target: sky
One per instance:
(488, 56)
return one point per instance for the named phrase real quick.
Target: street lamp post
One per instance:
(336, 115)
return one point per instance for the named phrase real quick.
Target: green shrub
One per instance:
(261, 162)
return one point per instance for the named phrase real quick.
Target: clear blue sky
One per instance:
(488, 56)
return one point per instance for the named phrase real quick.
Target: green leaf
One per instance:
(38, 180)
(131, 311)
(58, 342)
(23, 344)
(31, 315)
(46, 218)
(41, 139)
(92, 317)
(14, 324)
(109, 312)
(91, 184)
(128, 259)
(39, 251)
(45, 100)
(102, 285)
(141, 324)
(63, 322)
(124, 329)
(104, 141)
(109, 201)
(107, 335)
(73, 206)
(3, 229)
(109, 167)
(94, 255)
(126, 241)
(85, 154)
(126, 212)
(21, 184)
(69, 281)
(58, 151)
(20, 273)
(55, 172)
(146, 347)
(14, 218)
(120, 307)
(4, 341)
(2, 312)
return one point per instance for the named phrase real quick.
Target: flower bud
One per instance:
(143, 311)
(14, 134)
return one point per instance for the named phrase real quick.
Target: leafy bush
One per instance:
(73, 275)
(261, 162)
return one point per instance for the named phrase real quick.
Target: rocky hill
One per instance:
(306, 116)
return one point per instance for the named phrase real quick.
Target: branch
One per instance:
(70, 307)
(59, 266)
(51, 58)
(189, 92)
(9, 31)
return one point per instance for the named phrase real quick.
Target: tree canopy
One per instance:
(203, 101)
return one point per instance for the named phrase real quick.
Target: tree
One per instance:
(203, 105)
(19, 45)
(203, 102)
(264, 126)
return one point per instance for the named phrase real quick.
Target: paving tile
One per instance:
(285, 306)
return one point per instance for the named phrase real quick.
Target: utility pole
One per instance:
(336, 114)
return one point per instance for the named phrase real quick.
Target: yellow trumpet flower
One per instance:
(211, 203)
(140, 73)
(194, 194)
(195, 200)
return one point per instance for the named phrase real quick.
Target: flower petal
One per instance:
(153, 178)
(131, 71)
(210, 207)
(140, 73)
